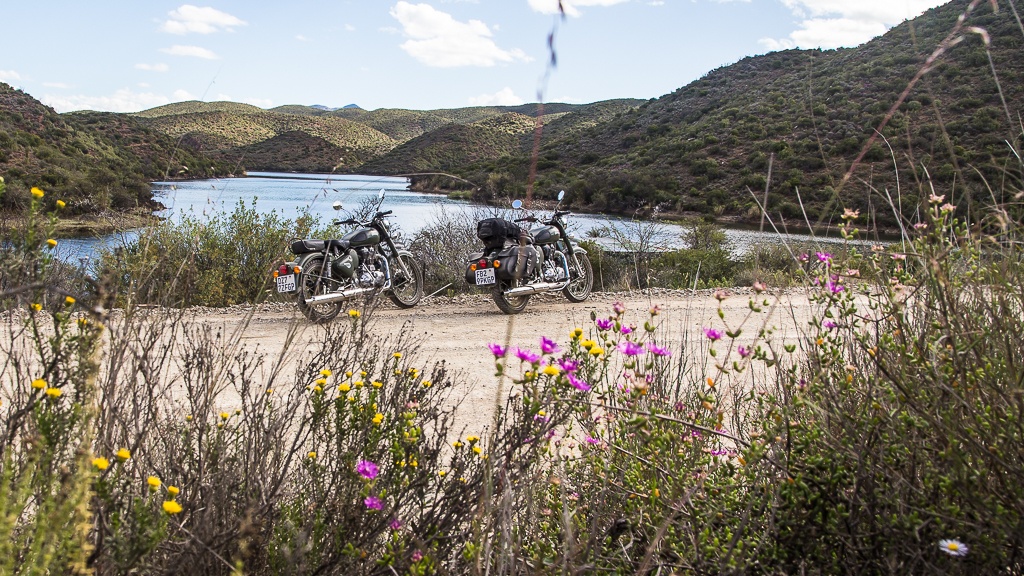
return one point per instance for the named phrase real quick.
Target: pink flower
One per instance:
(619, 307)
(655, 310)
(373, 503)
(417, 556)
(568, 365)
(626, 330)
(834, 286)
(744, 351)
(603, 324)
(497, 349)
(577, 383)
(658, 350)
(396, 524)
(527, 356)
(823, 257)
(367, 469)
(592, 440)
(829, 324)
(712, 334)
(548, 346)
(630, 348)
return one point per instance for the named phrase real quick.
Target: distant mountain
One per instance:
(93, 161)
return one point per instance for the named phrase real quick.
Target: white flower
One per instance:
(953, 547)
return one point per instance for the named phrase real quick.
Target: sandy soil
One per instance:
(459, 329)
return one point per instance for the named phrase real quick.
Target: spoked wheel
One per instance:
(583, 278)
(312, 284)
(509, 304)
(406, 288)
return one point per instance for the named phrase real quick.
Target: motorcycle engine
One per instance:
(553, 273)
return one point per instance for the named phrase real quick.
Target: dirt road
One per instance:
(459, 329)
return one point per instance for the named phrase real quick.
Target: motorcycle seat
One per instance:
(307, 246)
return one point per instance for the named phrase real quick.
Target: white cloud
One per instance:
(182, 95)
(260, 102)
(143, 84)
(570, 6)
(188, 18)
(9, 76)
(437, 39)
(124, 100)
(656, 3)
(350, 28)
(193, 51)
(503, 97)
(301, 38)
(152, 67)
(57, 85)
(838, 23)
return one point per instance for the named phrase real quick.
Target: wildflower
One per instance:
(367, 469)
(655, 310)
(358, 383)
(498, 350)
(373, 503)
(828, 324)
(37, 192)
(850, 214)
(936, 199)
(173, 490)
(899, 256)
(51, 242)
(711, 382)
(457, 444)
(568, 365)
(577, 383)
(35, 307)
(396, 355)
(527, 356)
(630, 348)
(395, 524)
(712, 334)
(476, 449)
(592, 440)
(325, 373)
(551, 370)
(54, 392)
(658, 350)
(39, 383)
(61, 203)
(743, 351)
(172, 507)
(417, 556)
(344, 387)
(101, 463)
(920, 226)
(376, 384)
(154, 483)
(619, 307)
(69, 300)
(377, 419)
(224, 415)
(824, 257)
(354, 314)
(603, 324)
(953, 547)
(627, 330)
(427, 383)
(123, 454)
(441, 473)
(587, 344)
(720, 295)
(759, 286)
(548, 346)
(311, 455)
(947, 208)
(472, 439)
(596, 351)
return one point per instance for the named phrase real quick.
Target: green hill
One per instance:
(93, 161)
(705, 147)
(294, 151)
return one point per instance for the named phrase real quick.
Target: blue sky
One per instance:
(130, 55)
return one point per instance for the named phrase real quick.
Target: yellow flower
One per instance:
(362, 373)
(427, 384)
(441, 473)
(54, 392)
(354, 314)
(224, 415)
(414, 463)
(312, 455)
(317, 389)
(123, 454)
(576, 333)
(352, 399)
(378, 418)
(457, 444)
(101, 463)
(472, 439)
(270, 390)
(596, 351)
(396, 355)
(320, 381)
(377, 384)
(35, 307)
(344, 387)
(69, 300)
(39, 383)
(37, 192)
(711, 382)
(173, 490)
(61, 204)
(348, 374)
(51, 242)
(588, 344)
(358, 383)
(550, 370)
(476, 449)
(188, 418)
(172, 507)
(154, 483)
(325, 373)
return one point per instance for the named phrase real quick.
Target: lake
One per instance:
(289, 193)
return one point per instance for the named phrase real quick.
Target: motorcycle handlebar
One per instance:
(527, 219)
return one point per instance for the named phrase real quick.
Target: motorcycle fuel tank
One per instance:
(363, 237)
(545, 235)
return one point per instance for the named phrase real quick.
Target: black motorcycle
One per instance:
(365, 262)
(518, 263)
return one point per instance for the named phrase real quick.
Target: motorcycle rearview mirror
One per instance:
(336, 205)
(380, 195)
(517, 204)
(561, 195)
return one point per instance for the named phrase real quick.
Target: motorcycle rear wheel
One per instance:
(406, 292)
(312, 284)
(509, 305)
(579, 289)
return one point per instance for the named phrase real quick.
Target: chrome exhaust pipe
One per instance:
(534, 289)
(337, 296)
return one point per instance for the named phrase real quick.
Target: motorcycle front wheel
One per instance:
(509, 304)
(406, 289)
(312, 284)
(579, 289)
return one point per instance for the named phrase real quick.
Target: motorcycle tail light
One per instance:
(483, 263)
(282, 271)
(472, 267)
(497, 263)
